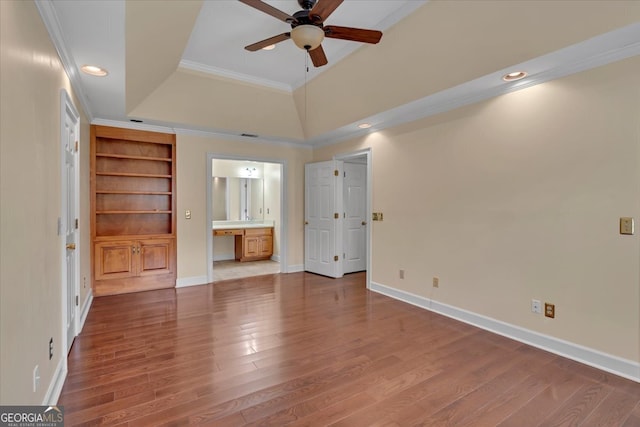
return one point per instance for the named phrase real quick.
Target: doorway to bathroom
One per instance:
(246, 217)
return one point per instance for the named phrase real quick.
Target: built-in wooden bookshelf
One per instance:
(132, 209)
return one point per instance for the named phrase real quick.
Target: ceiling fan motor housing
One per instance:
(306, 4)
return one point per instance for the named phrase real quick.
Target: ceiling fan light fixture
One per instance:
(270, 47)
(307, 37)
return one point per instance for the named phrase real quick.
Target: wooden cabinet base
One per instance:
(133, 284)
(254, 244)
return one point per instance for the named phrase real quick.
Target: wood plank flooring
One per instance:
(304, 350)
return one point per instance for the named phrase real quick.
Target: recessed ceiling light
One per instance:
(516, 75)
(270, 47)
(364, 125)
(94, 70)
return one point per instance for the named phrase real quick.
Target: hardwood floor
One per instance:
(304, 350)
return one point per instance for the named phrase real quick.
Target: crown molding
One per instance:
(233, 137)
(51, 22)
(246, 78)
(201, 133)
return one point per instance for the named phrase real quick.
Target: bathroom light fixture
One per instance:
(516, 75)
(364, 125)
(94, 70)
(307, 37)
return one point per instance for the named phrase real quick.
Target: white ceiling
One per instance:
(93, 32)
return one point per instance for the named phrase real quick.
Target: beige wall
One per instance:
(31, 77)
(272, 197)
(517, 198)
(192, 179)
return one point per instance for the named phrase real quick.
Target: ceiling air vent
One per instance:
(249, 135)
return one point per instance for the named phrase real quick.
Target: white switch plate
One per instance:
(536, 306)
(187, 214)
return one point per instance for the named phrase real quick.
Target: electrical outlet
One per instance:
(536, 306)
(549, 310)
(51, 348)
(436, 282)
(36, 378)
(626, 225)
(84, 282)
(401, 274)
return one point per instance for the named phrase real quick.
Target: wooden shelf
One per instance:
(150, 193)
(127, 156)
(134, 175)
(131, 212)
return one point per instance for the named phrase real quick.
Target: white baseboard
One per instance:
(84, 312)
(55, 387)
(597, 359)
(191, 281)
(295, 268)
(275, 258)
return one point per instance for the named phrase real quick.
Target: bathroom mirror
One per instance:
(238, 199)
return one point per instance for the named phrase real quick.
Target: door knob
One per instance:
(71, 246)
(364, 222)
(306, 223)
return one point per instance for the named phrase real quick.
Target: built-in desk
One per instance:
(251, 243)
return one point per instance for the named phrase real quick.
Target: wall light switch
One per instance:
(377, 216)
(626, 225)
(187, 214)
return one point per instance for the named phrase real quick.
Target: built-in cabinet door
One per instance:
(251, 246)
(132, 258)
(265, 246)
(115, 260)
(154, 256)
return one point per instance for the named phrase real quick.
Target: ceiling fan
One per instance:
(308, 29)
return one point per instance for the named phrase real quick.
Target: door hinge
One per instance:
(336, 215)
(336, 172)
(76, 146)
(77, 223)
(77, 300)
(344, 256)
(345, 174)
(336, 258)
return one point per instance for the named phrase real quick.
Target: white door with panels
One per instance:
(323, 184)
(354, 227)
(69, 142)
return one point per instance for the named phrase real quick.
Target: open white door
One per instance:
(323, 182)
(355, 218)
(69, 144)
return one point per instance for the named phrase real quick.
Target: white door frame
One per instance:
(284, 266)
(67, 109)
(367, 153)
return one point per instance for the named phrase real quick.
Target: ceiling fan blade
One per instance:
(322, 9)
(270, 10)
(353, 34)
(318, 57)
(267, 42)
